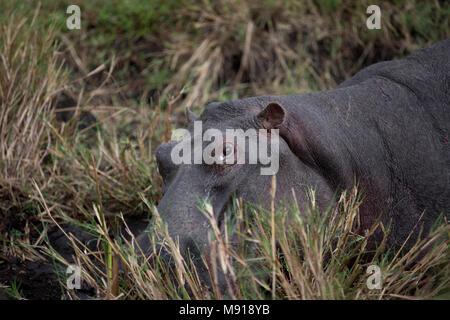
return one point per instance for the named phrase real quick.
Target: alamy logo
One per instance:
(374, 280)
(74, 20)
(236, 146)
(374, 20)
(74, 280)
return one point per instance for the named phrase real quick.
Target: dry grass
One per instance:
(312, 256)
(29, 78)
(231, 48)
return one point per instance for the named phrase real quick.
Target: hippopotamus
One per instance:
(386, 129)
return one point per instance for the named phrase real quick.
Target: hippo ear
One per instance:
(190, 116)
(165, 164)
(272, 117)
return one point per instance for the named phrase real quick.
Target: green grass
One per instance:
(14, 291)
(151, 60)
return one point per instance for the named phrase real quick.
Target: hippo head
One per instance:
(208, 169)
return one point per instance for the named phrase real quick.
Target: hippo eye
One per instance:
(228, 151)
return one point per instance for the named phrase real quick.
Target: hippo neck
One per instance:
(377, 134)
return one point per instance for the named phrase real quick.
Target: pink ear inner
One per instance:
(272, 117)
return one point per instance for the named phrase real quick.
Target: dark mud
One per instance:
(41, 280)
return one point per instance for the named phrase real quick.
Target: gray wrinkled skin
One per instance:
(387, 128)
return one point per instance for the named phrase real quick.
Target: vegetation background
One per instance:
(83, 110)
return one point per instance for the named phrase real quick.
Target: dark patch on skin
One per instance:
(384, 94)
